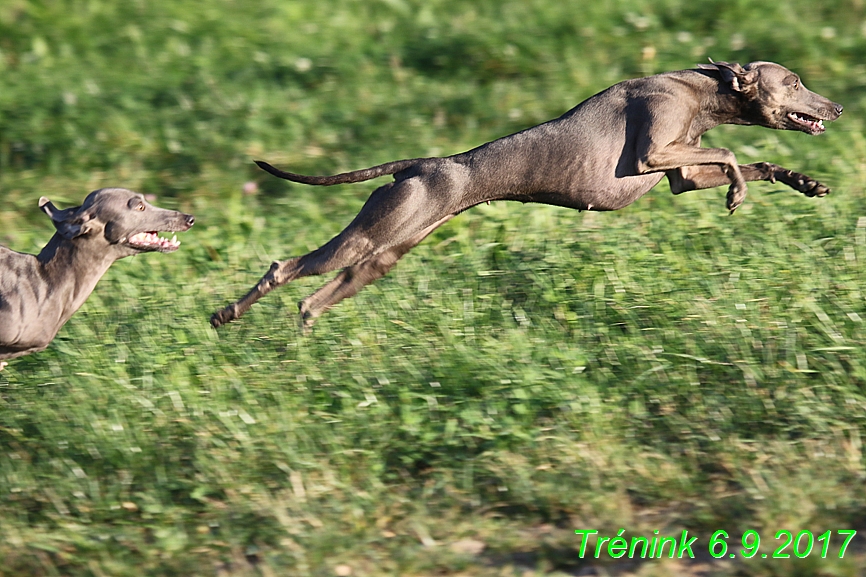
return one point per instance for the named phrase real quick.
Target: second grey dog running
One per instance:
(602, 155)
(38, 293)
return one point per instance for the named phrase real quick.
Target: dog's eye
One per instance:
(140, 206)
(797, 84)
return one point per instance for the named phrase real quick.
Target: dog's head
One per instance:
(776, 96)
(121, 219)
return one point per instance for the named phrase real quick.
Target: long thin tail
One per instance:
(346, 177)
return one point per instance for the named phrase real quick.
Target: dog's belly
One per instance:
(619, 193)
(609, 194)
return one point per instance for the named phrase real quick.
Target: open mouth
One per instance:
(807, 123)
(152, 241)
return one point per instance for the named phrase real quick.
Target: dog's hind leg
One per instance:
(344, 250)
(352, 279)
(395, 218)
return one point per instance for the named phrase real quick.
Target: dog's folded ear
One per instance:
(68, 222)
(737, 78)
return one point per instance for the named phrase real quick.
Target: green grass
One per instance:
(525, 372)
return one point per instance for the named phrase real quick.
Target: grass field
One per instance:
(526, 372)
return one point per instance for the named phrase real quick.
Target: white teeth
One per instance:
(813, 123)
(153, 240)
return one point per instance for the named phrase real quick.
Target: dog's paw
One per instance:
(3, 365)
(736, 196)
(802, 183)
(811, 187)
(306, 317)
(223, 316)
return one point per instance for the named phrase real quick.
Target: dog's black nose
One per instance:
(838, 108)
(190, 220)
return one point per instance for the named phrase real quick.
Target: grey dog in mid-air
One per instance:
(38, 293)
(603, 154)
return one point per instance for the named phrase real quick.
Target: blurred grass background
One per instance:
(525, 372)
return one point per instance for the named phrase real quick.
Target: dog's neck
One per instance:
(72, 271)
(731, 107)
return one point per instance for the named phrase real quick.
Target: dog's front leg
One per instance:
(689, 178)
(676, 156)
